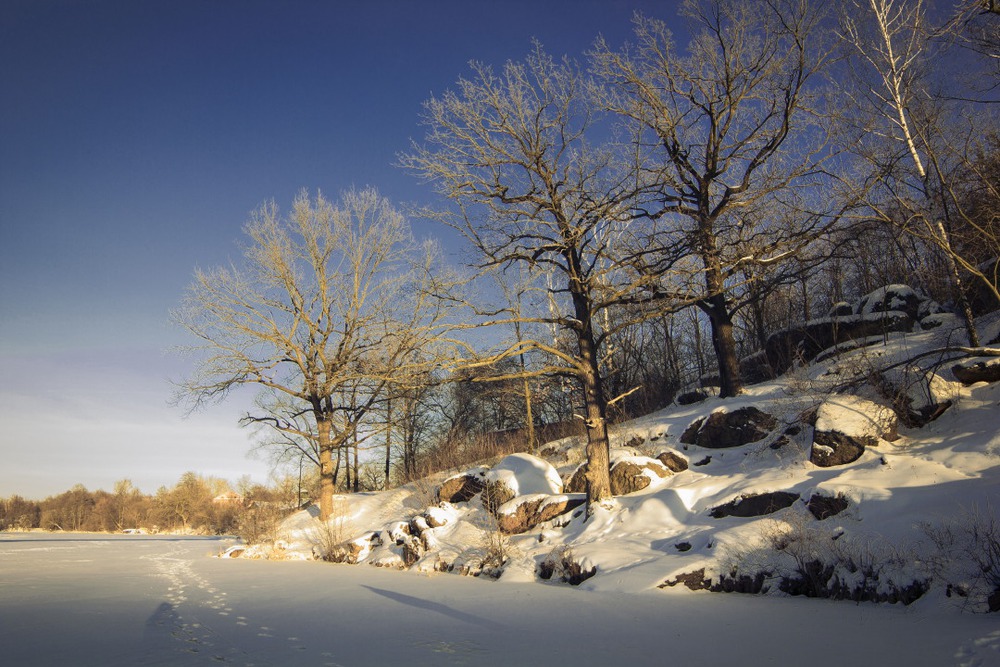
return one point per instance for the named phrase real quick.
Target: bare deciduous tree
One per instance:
(893, 61)
(510, 151)
(323, 314)
(726, 140)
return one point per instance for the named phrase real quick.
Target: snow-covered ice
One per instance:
(105, 600)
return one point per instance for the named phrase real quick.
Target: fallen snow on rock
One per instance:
(856, 417)
(525, 474)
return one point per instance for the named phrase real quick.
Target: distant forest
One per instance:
(195, 505)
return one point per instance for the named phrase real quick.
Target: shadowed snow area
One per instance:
(108, 600)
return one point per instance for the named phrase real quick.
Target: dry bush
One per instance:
(496, 545)
(327, 536)
(967, 558)
(257, 522)
(564, 566)
(813, 562)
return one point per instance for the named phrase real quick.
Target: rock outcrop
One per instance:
(723, 429)
(846, 426)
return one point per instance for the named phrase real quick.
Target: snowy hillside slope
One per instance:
(779, 515)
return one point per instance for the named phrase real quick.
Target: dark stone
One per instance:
(674, 461)
(530, 513)
(690, 434)
(823, 507)
(495, 494)
(845, 449)
(994, 601)
(628, 477)
(461, 488)
(982, 370)
(413, 550)
(742, 583)
(577, 482)
(723, 430)
(695, 580)
(929, 413)
(691, 397)
(635, 441)
(805, 341)
(704, 462)
(755, 505)
(683, 546)
(841, 309)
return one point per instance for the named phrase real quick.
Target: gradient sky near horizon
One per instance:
(135, 137)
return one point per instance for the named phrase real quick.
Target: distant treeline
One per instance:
(195, 504)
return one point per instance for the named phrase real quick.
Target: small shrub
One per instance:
(327, 537)
(496, 545)
(967, 558)
(811, 562)
(561, 563)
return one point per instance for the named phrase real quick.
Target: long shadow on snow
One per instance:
(434, 606)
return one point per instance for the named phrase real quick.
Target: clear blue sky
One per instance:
(135, 136)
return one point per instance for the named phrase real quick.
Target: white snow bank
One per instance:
(525, 474)
(854, 416)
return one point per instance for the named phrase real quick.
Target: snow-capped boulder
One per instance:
(438, 516)
(398, 531)
(891, 298)
(841, 309)
(634, 473)
(462, 487)
(723, 429)
(691, 397)
(917, 396)
(845, 426)
(525, 512)
(351, 551)
(887, 309)
(519, 475)
(977, 369)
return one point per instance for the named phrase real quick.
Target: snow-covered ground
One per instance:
(908, 515)
(109, 601)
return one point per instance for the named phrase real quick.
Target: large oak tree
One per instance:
(324, 315)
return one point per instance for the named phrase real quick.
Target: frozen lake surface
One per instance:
(162, 600)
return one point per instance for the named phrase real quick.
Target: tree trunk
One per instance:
(529, 417)
(388, 442)
(326, 469)
(347, 464)
(598, 450)
(956, 280)
(717, 309)
(724, 344)
(357, 465)
(699, 358)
